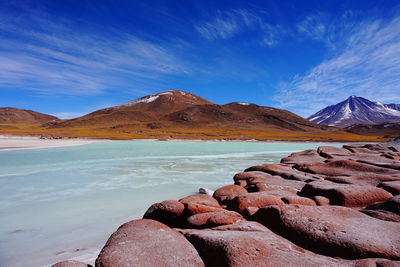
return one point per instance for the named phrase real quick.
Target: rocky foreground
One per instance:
(325, 207)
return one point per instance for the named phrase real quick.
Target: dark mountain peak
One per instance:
(353, 97)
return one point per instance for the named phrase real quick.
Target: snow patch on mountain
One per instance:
(393, 106)
(166, 93)
(170, 96)
(146, 99)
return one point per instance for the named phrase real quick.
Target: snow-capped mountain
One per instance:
(356, 110)
(393, 106)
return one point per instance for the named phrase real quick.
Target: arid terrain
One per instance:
(386, 129)
(180, 115)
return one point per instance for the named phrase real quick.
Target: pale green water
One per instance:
(63, 203)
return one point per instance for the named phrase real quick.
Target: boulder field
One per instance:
(325, 207)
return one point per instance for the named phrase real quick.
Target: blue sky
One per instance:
(69, 58)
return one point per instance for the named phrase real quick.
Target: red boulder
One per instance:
(333, 230)
(212, 219)
(240, 248)
(259, 199)
(168, 212)
(200, 199)
(345, 194)
(228, 192)
(147, 243)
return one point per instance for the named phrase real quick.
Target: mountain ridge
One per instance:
(356, 110)
(146, 108)
(17, 115)
(393, 106)
(176, 114)
(175, 108)
(391, 129)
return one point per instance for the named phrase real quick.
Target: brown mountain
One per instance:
(146, 109)
(179, 109)
(181, 115)
(388, 129)
(16, 115)
(242, 116)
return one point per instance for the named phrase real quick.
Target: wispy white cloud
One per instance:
(313, 26)
(365, 61)
(272, 34)
(233, 22)
(219, 29)
(50, 55)
(227, 24)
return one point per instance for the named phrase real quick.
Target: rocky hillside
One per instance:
(393, 106)
(146, 109)
(16, 115)
(177, 109)
(177, 114)
(326, 207)
(242, 115)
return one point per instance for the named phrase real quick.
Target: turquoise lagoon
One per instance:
(63, 203)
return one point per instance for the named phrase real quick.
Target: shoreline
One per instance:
(15, 143)
(267, 201)
(80, 249)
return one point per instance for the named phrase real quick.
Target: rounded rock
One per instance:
(168, 212)
(228, 192)
(147, 243)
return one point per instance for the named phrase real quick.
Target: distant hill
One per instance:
(243, 116)
(178, 114)
(388, 129)
(16, 115)
(181, 109)
(357, 110)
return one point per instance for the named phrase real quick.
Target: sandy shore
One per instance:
(15, 143)
(19, 143)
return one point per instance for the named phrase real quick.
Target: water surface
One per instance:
(63, 203)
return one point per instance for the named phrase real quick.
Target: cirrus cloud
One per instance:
(53, 56)
(365, 61)
(233, 22)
